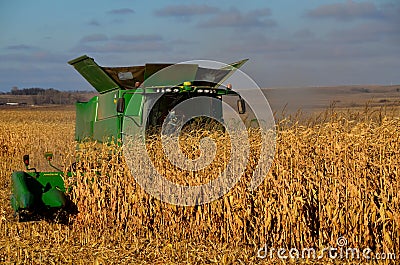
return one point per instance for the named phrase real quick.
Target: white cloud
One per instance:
(186, 11)
(237, 19)
(346, 11)
(121, 11)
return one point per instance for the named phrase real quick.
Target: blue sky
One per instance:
(289, 42)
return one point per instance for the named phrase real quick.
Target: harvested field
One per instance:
(334, 175)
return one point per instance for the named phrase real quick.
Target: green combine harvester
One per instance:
(125, 93)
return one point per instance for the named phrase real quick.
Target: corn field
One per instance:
(334, 175)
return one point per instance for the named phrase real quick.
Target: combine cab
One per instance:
(133, 94)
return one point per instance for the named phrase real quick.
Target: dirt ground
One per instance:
(312, 99)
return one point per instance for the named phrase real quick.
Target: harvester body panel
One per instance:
(86, 115)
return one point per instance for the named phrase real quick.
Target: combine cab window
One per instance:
(167, 102)
(163, 106)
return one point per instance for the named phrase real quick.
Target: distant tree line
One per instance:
(29, 91)
(50, 96)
